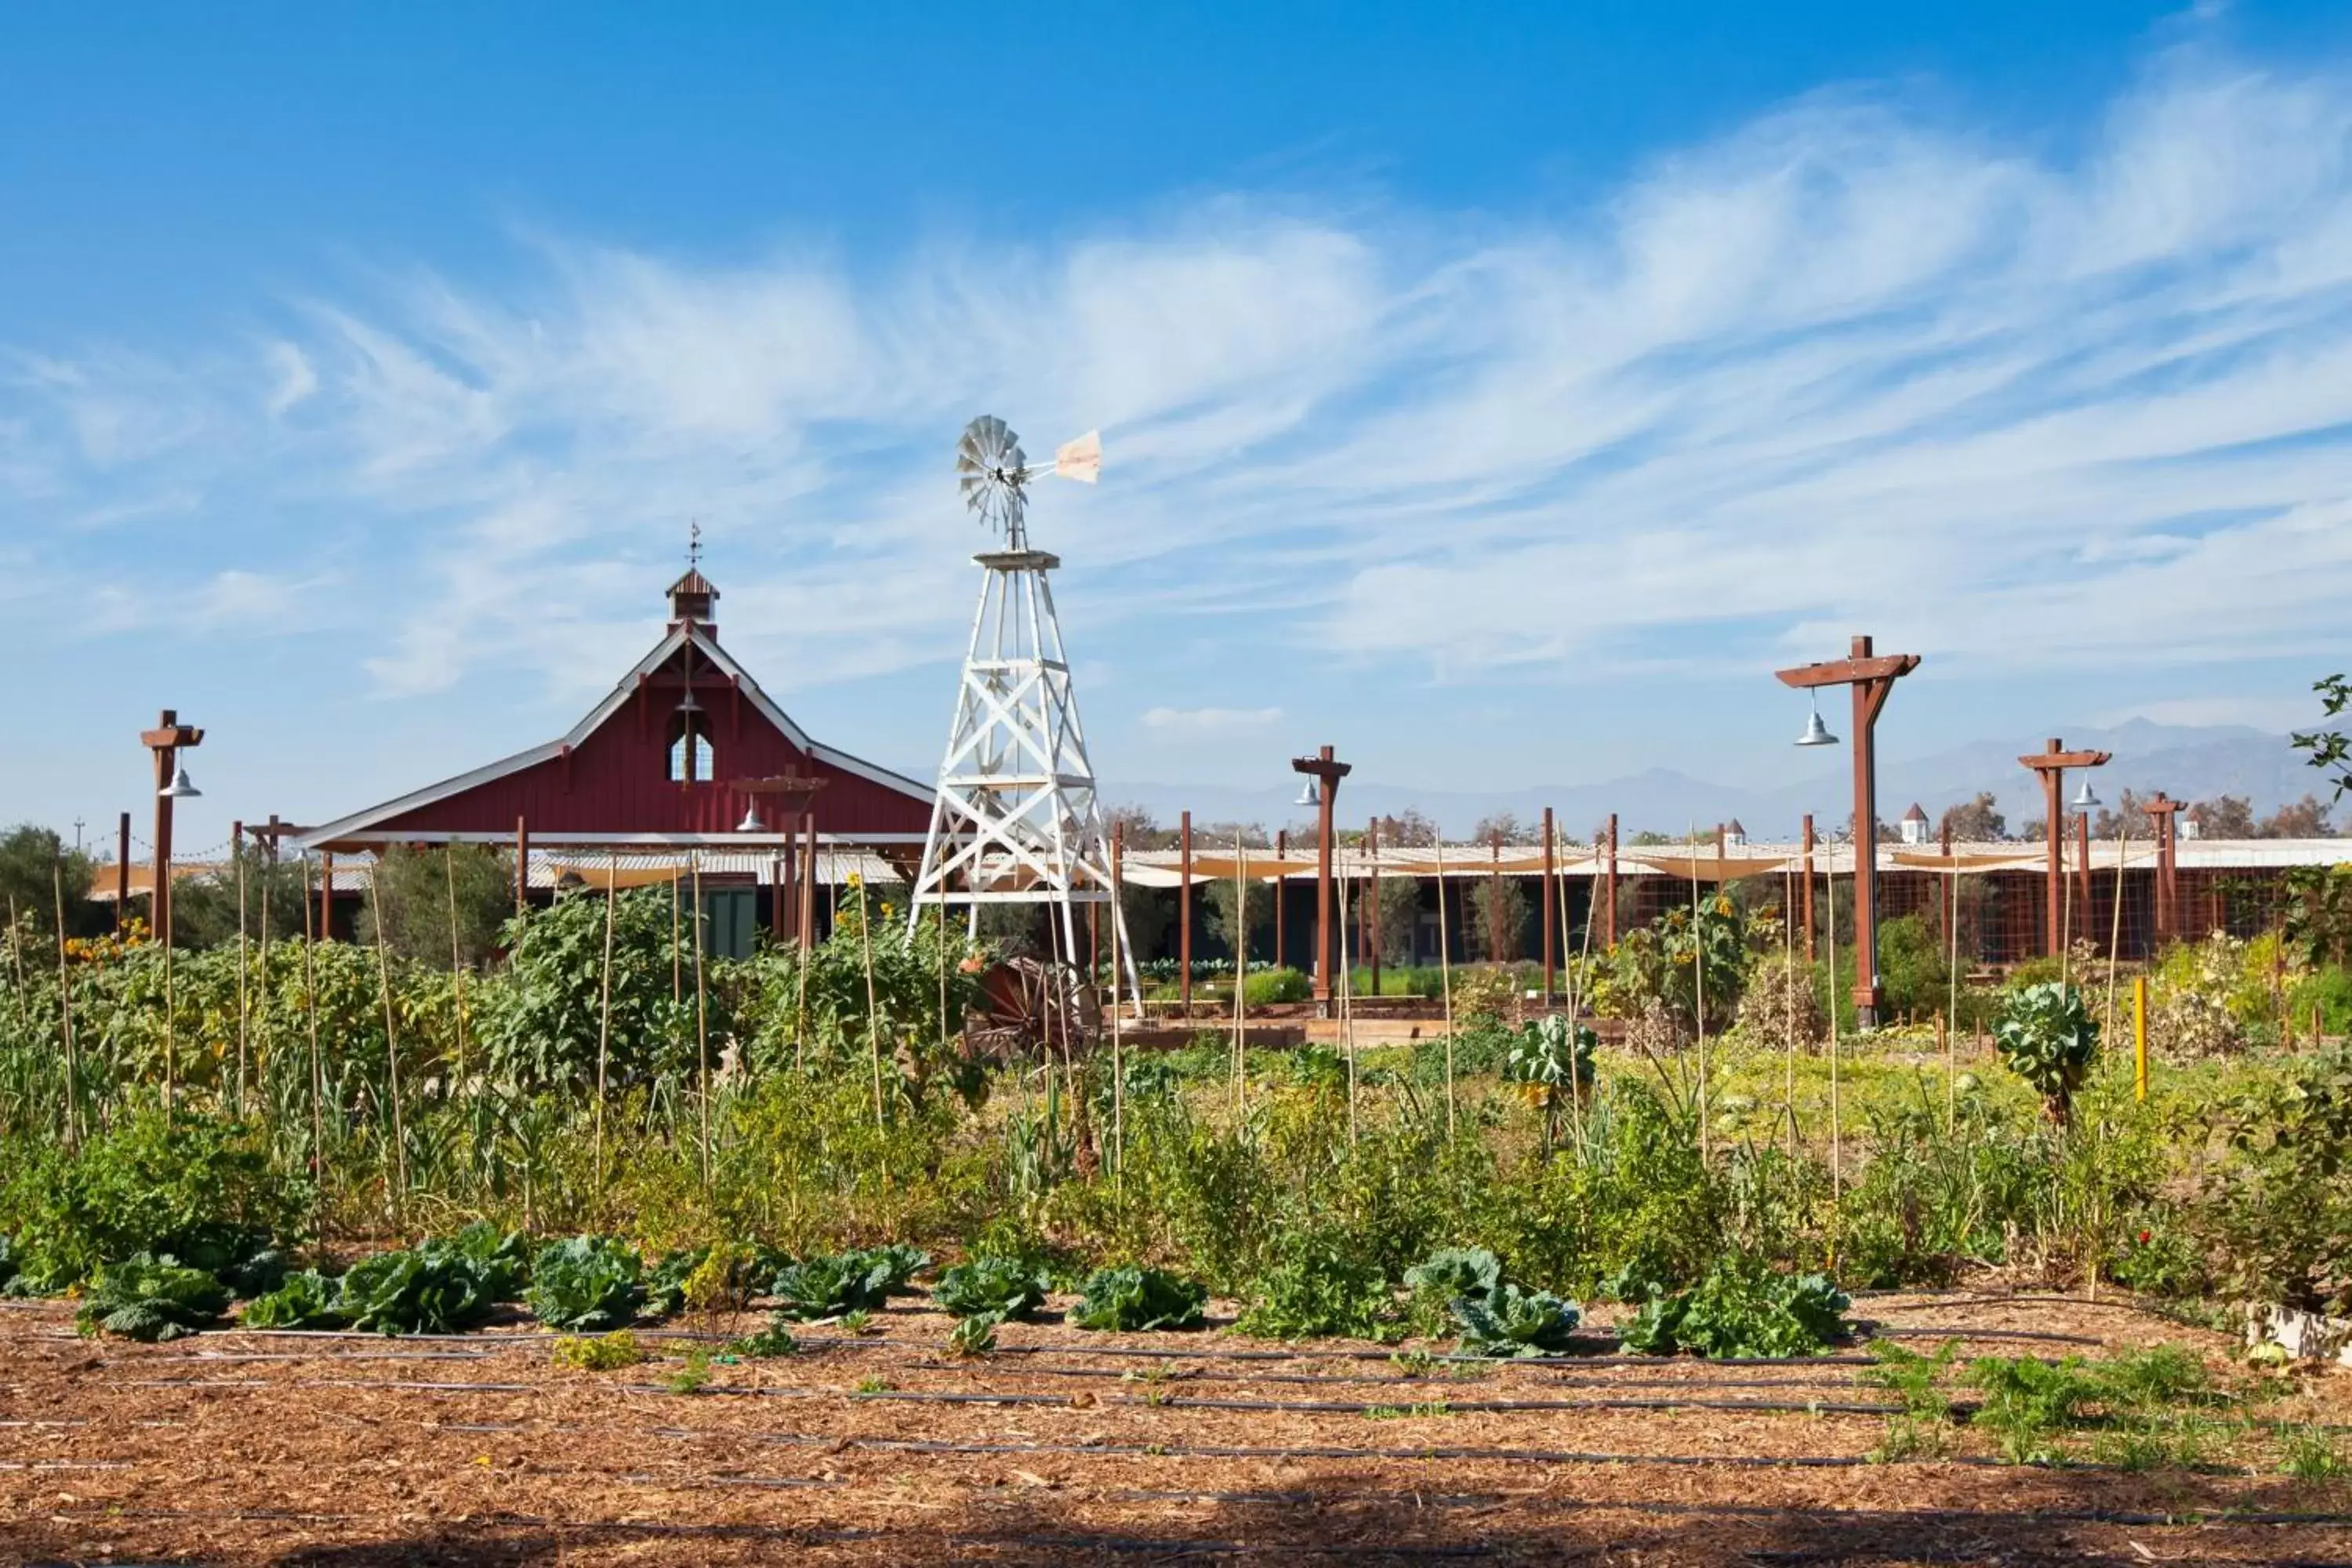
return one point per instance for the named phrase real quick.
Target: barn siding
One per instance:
(617, 781)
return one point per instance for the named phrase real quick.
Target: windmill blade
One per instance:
(1080, 459)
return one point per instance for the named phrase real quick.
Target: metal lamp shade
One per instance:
(2084, 800)
(1816, 732)
(751, 823)
(182, 787)
(1306, 793)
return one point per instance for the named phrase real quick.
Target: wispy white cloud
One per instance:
(1211, 721)
(1845, 366)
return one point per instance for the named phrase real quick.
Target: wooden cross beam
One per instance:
(1871, 677)
(2051, 763)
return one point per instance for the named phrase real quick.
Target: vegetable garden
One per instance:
(620, 1171)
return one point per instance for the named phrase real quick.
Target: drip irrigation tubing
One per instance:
(1178, 1546)
(939, 1396)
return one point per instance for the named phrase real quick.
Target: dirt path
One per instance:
(237, 1447)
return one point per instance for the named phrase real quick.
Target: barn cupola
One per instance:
(691, 597)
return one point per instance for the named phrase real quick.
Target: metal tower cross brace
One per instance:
(1016, 819)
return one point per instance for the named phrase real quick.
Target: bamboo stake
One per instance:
(65, 997)
(318, 1065)
(456, 959)
(1348, 1021)
(1952, 1022)
(1789, 999)
(1241, 970)
(873, 1016)
(2115, 934)
(171, 1032)
(676, 955)
(1698, 991)
(806, 943)
(604, 1000)
(1118, 1056)
(244, 1006)
(391, 1050)
(1445, 985)
(1837, 1131)
(701, 1004)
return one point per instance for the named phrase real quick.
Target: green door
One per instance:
(731, 921)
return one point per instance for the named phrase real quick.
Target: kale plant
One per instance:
(587, 1282)
(1133, 1298)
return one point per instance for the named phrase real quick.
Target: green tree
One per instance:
(541, 1024)
(33, 861)
(1977, 821)
(1399, 910)
(1218, 899)
(204, 911)
(416, 894)
(1498, 905)
(1913, 967)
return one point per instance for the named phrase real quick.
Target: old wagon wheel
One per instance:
(1027, 1003)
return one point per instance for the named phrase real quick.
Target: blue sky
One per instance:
(1496, 393)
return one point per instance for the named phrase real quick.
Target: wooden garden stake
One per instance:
(873, 1014)
(1837, 1133)
(1445, 985)
(1789, 1001)
(1117, 1056)
(604, 1002)
(318, 1065)
(1348, 1020)
(65, 997)
(2139, 1036)
(676, 948)
(391, 1050)
(456, 957)
(2116, 932)
(1698, 991)
(244, 1005)
(1241, 967)
(1952, 1020)
(701, 1004)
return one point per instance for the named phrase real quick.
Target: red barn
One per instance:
(675, 757)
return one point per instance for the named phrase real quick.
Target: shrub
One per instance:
(198, 1189)
(1271, 985)
(1132, 1298)
(1781, 1008)
(2047, 1038)
(1315, 1291)
(601, 1353)
(305, 1300)
(586, 1283)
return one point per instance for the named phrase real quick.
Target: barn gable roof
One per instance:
(677, 637)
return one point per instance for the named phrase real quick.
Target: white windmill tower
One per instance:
(1016, 819)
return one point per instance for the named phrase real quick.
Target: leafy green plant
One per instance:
(599, 1353)
(1131, 1299)
(773, 1340)
(503, 1257)
(1922, 1430)
(991, 1287)
(1551, 1059)
(694, 1375)
(1742, 1308)
(2029, 1403)
(831, 1284)
(974, 1335)
(146, 1299)
(2312, 1453)
(309, 1299)
(585, 1282)
(443, 1292)
(2047, 1036)
(1509, 1322)
(1455, 1272)
(1315, 1291)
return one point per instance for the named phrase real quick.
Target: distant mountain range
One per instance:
(2188, 762)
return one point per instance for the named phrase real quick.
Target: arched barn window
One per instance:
(690, 756)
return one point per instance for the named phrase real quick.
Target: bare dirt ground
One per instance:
(238, 1447)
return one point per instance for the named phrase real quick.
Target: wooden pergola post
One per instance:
(1327, 774)
(1372, 903)
(522, 865)
(1872, 677)
(165, 741)
(1281, 886)
(2164, 815)
(2051, 765)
